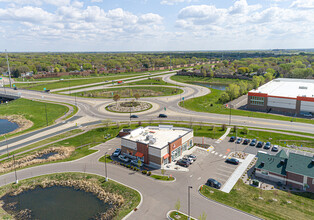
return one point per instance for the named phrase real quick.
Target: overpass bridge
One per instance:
(7, 96)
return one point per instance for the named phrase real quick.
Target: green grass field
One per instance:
(34, 111)
(68, 83)
(246, 198)
(125, 92)
(194, 79)
(131, 197)
(151, 81)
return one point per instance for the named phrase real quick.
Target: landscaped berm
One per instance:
(70, 195)
(126, 107)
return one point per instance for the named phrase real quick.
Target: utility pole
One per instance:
(16, 180)
(106, 167)
(8, 68)
(189, 216)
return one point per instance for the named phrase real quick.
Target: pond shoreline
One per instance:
(114, 200)
(20, 120)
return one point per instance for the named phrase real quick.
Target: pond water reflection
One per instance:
(7, 126)
(213, 86)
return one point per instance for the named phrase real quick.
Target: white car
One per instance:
(188, 159)
(124, 158)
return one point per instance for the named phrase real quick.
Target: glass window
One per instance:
(254, 100)
(176, 153)
(191, 143)
(185, 146)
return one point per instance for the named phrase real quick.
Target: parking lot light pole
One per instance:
(106, 167)
(189, 187)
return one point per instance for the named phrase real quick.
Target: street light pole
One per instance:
(16, 180)
(189, 187)
(106, 167)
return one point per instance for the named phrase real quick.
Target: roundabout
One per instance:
(128, 107)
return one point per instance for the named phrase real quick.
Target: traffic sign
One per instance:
(182, 98)
(44, 88)
(13, 85)
(165, 108)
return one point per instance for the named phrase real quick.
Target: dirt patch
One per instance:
(22, 122)
(61, 153)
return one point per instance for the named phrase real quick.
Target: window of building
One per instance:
(255, 100)
(265, 173)
(191, 143)
(185, 146)
(176, 153)
(166, 161)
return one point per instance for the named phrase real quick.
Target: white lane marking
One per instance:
(224, 156)
(191, 176)
(216, 153)
(109, 148)
(213, 152)
(220, 174)
(199, 178)
(220, 155)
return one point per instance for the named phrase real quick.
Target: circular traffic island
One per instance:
(128, 106)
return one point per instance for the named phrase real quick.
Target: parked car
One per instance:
(232, 160)
(133, 116)
(260, 144)
(232, 139)
(192, 156)
(135, 162)
(307, 114)
(253, 142)
(124, 158)
(188, 159)
(239, 140)
(246, 141)
(213, 183)
(162, 116)
(267, 145)
(275, 148)
(117, 152)
(183, 163)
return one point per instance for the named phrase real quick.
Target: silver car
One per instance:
(124, 158)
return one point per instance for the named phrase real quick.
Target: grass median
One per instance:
(262, 203)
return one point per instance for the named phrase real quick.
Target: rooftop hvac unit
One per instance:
(152, 141)
(149, 137)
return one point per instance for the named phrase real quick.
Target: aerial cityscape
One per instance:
(161, 109)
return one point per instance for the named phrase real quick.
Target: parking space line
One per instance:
(216, 153)
(199, 178)
(225, 171)
(213, 152)
(191, 176)
(109, 148)
(220, 174)
(224, 156)
(220, 155)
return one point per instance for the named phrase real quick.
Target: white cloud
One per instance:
(25, 14)
(96, 1)
(173, 2)
(303, 4)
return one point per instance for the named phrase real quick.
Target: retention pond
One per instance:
(213, 86)
(56, 202)
(7, 126)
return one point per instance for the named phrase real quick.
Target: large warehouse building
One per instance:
(288, 96)
(157, 146)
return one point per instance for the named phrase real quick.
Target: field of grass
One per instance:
(163, 178)
(194, 79)
(246, 198)
(68, 83)
(275, 138)
(125, 92)
(131, 197)
(151, 81)
(33, 111)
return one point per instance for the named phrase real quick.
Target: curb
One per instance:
(168, 214)
(222, 204)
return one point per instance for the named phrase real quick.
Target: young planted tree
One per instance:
(116, 98)
(137, 96)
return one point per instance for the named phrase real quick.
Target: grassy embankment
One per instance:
(68, 83)
(209, 103)
(151, 81)
(289, 205)
(125, 92)
(275, 138)
(180, 215)
(33, 111)
(131, 197)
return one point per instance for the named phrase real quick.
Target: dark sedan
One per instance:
(184, 163)
(267, 145)
(232, 139)
(133, 116)
(260, 144)
(213, 183)
(253, 142)
(246, 141)
(162, 116)
(232, 160)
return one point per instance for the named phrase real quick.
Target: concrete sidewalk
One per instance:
(233, 179)
(223, 136)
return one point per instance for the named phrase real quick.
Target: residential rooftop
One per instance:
(286, 87)
(158, 137)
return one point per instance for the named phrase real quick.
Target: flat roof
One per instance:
(157, 137)
(286, 87)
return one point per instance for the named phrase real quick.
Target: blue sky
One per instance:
(155, 25)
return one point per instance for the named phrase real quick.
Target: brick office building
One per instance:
(295, 170)
(157, 146)
(290, 96)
